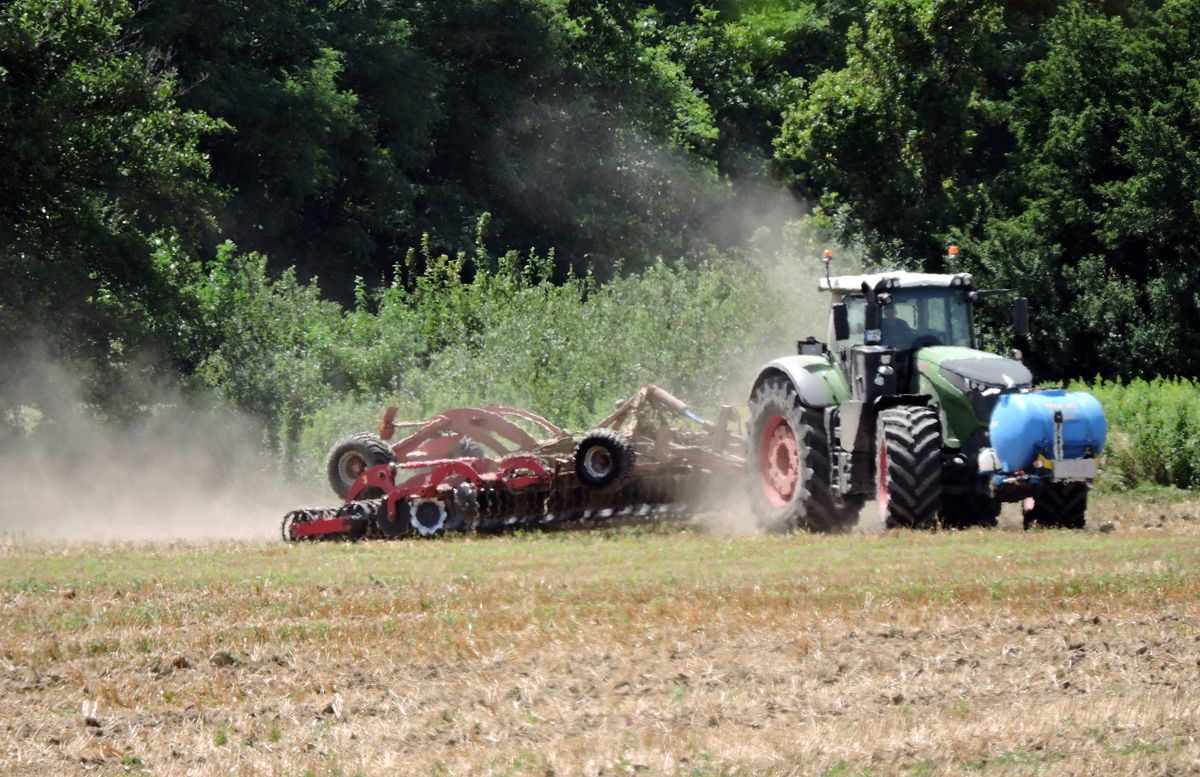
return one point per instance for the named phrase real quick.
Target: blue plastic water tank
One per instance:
(1023, 426)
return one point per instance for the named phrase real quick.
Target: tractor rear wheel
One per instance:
(790, 464)
(1059, 506)
(962, 511)
(908, 477)
(353, 455)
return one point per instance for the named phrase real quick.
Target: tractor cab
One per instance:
(899, 313)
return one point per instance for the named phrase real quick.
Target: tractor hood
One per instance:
(969, 370)
(976, 376)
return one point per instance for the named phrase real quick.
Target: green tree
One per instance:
(1097, 214)
(578, 131)
(104, 193)
(362, 126)
(750, 60)
(886, 143)
(333, 108)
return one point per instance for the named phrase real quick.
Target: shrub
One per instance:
(470, 330)
(1154, 431)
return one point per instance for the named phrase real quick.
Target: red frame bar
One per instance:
(320, 527)
(514, 473)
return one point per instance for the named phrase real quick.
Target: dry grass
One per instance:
(621, 652)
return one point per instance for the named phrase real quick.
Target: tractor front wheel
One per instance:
(908, 475)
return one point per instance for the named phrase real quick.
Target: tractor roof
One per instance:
(896, 279)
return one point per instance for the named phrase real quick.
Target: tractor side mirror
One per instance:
(841, 321)
(1021, 316)
(871, 317)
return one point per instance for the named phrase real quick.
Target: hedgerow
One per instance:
(1154, 431)
(481, 329)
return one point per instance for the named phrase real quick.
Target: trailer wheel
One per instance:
(353, 455)
(908, 477)
(789, 461)
(604, 459)
(1059, 506)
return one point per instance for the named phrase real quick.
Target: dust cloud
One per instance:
(184, 471)
(188, 471)
(677, 210)
(760, 221)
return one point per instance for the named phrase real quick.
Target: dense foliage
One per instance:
(1060, 153)
(1154, 432)
(648, 159)
(103, 180)
(510, 335)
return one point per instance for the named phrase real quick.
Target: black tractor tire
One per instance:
(792, 494)
(351, 456)
(962, 511)
(1059, 506)
(604, 459)
(908, 472)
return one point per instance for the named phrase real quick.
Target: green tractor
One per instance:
(902, 405)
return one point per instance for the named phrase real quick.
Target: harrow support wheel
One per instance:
(353, 455)
(908, 476)
(604, 459)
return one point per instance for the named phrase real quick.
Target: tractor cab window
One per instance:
(915, 318)
(927, 316)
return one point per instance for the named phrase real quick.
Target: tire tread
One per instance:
(913, 436)
(816, 508)
(1059, 506)
(372, 448)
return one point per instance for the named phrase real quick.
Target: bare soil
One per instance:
(660, 652)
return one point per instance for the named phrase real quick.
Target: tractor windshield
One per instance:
(916, 318)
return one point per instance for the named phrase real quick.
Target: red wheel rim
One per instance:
(881, 492)
(778, 461)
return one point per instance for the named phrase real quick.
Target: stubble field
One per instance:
(661, 651)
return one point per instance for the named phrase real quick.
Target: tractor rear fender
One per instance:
(818, 383)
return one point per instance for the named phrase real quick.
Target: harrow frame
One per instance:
(509, 478)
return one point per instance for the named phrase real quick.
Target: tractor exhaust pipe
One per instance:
(1021, 325)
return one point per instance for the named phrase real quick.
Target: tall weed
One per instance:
(478, 329)
(1154, 431)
